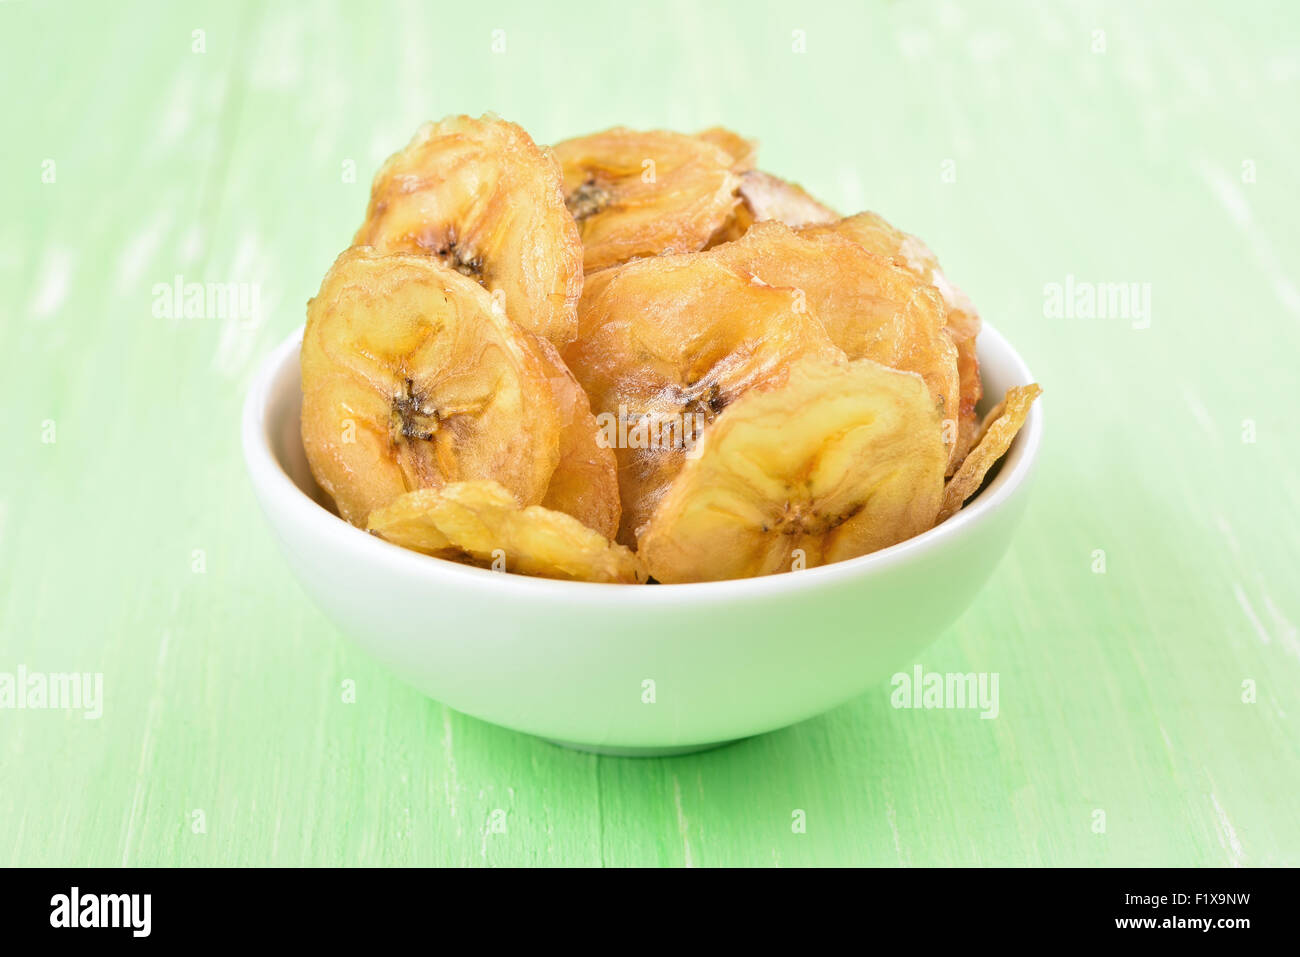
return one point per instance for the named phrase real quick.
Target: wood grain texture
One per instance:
(1125, 156)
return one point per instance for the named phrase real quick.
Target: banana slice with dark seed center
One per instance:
(412, 378)
(837, 460)
(479, 196)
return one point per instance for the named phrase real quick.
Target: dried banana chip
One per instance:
(871, 307)
(585, 482)
(770, 197)
(763, 197)
(412, 377)
(480, 523)
(971, 391)
(636, 194)
(840, 459)
(481, 197)
(743, 152)
(995, 436)
(664, 346)
(963, 322)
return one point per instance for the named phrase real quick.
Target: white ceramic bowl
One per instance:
(625, 669)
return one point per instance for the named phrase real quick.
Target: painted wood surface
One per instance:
(1030, 144)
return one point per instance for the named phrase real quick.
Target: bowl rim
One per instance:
(274, 483)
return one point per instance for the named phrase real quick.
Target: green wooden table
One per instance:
(1143, 625)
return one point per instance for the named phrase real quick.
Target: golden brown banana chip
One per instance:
(585, 482)
(480, 523)
(763, 197)
(840, 459)
(770, 197)
(664, 346)
(871, 307)
(481, 197)
(413, 377)
(963, 322)
(636, 194)
(995, 436)
(972, 390)
(743, 152)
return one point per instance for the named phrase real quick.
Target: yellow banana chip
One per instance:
(995, 436)
(585, 482)
(961, 320)
(411, 378)
(480, 196)
(840, 459)
(743, 152)
(871, 307)
(636, 194)
(767, 197)
(480, 523)
(665, 345)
